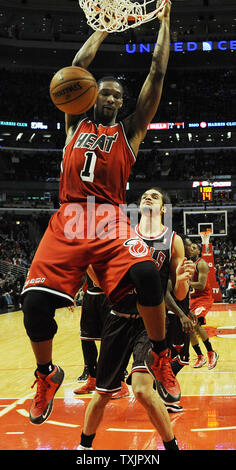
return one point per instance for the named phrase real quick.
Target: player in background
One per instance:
(201, 302)
(95, 307)
(124, 332)
(97, 161)
(179, 325)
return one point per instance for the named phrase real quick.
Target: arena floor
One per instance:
(208, 421)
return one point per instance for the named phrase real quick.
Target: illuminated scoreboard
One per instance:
(206, 193)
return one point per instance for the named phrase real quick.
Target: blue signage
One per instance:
(189, 46)
(13, 124)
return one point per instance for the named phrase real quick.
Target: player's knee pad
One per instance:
(147, 281)
(39, 310)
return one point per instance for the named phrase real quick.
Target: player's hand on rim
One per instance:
(165, 11)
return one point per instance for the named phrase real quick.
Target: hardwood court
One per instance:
(208, 421)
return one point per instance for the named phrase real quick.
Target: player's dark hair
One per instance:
(110, 78)
(184, 237)
(199, 246)
(165, 196)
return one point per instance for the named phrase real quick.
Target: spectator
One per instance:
(231, 289)
(222, 283)
(7, 294)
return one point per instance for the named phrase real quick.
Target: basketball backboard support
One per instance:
(199, 221)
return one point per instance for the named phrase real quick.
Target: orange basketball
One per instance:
(73, 90)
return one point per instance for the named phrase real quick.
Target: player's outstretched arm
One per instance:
(150, 95)
(87, 52)
(187, 323)
(181, 269)
(83, 59)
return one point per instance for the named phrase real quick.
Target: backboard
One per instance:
(199, 221)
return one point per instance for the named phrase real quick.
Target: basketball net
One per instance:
(205, 236)
(119, 15)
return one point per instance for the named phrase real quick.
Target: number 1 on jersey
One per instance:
(87, 174)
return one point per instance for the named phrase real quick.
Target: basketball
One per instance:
(73, 90)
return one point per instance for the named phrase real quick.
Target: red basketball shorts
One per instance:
(201, 306)
(80, 234)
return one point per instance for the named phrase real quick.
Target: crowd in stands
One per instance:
(225, 265)
(183, 99)
(10, 291)
(20, 235)
(150, 165)
(172, 166)
(16, 253)
(70, 25)
(17, 165)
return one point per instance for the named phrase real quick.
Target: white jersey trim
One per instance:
(127, 142)
(51, 291)
(77, 127)
(165, 230)
(163, 233)
(94, 293)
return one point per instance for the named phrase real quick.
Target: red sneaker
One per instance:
(200, 362)
(123, 392)
(89, 387)
(166, 382)
(213, 358)
(47, 386)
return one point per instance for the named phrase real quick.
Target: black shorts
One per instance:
(121, 338)
(178, 341)
(95, 308)
(201, 321)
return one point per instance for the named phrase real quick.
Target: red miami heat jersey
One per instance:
(207, 292)
(97, 162)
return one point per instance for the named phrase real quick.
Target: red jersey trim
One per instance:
(172, 244)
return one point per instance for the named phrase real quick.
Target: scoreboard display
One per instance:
(212, 191)
(206, 193)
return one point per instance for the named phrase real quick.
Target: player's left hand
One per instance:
(187, 324)
(165, 11)
(193, 318)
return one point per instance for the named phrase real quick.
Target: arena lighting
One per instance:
(39, 125)
(215, 184)
(153, 126)
(204, 124)
(13, 124)
(182, 125)
(190, 46)
(32, 125)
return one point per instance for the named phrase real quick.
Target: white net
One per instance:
(205, 236)
(119, 15)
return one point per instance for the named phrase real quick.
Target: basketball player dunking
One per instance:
(98, 157)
